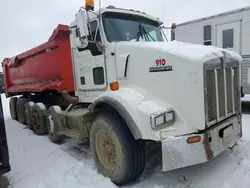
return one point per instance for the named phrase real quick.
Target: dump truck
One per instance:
(112, 79)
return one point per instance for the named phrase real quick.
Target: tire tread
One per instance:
(21, 115)
(137, 160)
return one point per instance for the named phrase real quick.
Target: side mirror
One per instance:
(82, 24)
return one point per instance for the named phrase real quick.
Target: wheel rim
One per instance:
(106, 148)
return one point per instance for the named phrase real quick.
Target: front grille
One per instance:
(229, 89)
(212, 112)
(236, 91)
(221, 93)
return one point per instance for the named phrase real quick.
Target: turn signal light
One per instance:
(173, 26)
(193, 139)
(114, 86)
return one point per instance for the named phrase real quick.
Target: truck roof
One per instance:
(121, 10)
(214, 16)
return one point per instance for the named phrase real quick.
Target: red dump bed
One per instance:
(46, 67)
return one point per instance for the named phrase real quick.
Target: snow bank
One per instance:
(38, 163)
(246, 98)
(67, 173)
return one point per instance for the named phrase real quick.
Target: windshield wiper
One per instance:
(142, 32)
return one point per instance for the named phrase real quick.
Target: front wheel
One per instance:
(116, 153)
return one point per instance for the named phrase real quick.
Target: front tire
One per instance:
(12, 106)
(116, 153)
(40, 125)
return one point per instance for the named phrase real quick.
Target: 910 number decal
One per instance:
(161, 66)
(160, 62)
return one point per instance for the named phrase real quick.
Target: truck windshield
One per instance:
(127, 27)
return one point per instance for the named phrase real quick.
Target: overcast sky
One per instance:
(28, 23)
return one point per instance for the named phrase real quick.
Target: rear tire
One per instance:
(28, 107)
(20, 107)
(53, 125)
(40, 124)
(12, 106)
(116, 153)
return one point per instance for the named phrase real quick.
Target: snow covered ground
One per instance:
(37, 163)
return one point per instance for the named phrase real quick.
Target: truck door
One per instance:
(89, 63)
(229, 37)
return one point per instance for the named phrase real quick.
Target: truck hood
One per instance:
(193, 52)
(178, 83)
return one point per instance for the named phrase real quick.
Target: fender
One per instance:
(122, 111)
(136, 105)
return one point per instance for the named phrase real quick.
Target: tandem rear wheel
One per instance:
(38, 118)
(20, 108)
(13, 109)
(53, 125)
(116, 153)
(28, 112)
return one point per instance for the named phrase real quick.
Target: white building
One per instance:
(229, 30)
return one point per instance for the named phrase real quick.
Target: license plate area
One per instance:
(226, 134)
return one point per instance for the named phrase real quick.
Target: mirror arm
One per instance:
(89, 11)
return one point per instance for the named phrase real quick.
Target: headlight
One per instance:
(161, 118)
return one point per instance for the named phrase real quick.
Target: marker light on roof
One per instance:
(90, 3)
(111, 6)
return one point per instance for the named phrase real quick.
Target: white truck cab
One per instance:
(133, 87)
